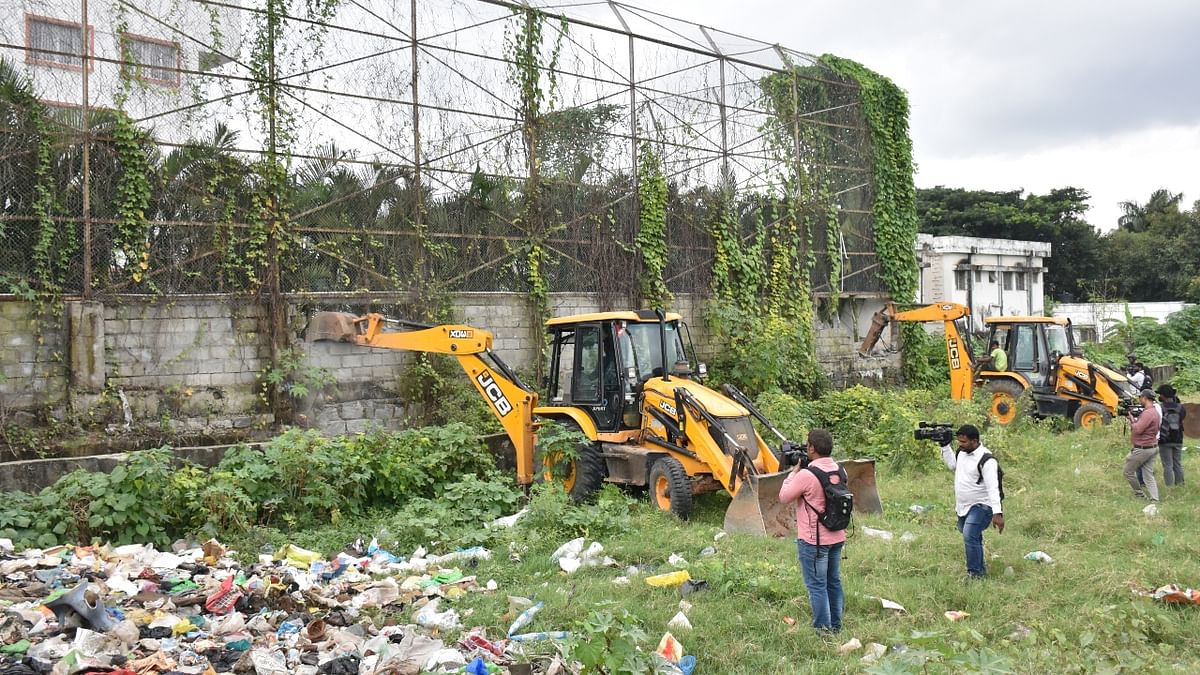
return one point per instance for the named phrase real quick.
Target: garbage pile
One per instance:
(135, 610)
(194, 610)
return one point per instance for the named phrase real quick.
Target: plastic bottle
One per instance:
(524, 618)
(1039, 556)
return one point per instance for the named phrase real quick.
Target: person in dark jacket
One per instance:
(1170, 441)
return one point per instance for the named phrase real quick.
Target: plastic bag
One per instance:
(669, 648)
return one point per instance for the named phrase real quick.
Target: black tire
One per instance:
(1008, 403)
(1091, 414)
(589, 472)
(670, 488)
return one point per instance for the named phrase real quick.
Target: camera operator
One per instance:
(819, 549)
(976, 494)
(1143, 432)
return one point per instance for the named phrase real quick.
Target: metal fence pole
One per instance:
(86, 63)
(418, 202)
(726, 170)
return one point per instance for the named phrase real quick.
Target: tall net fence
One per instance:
(368, 146)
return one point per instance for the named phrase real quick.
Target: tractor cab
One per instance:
(599, 362)
(1034, 345)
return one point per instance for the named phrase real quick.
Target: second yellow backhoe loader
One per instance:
(1045, 373)
(627, 382)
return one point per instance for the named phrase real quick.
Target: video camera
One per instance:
(939, 433)
(793, 454)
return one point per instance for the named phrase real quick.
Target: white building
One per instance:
(993, 277)
(167, 47)
(1094, 321)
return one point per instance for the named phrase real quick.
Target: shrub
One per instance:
(555, 517)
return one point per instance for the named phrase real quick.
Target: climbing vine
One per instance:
(651, 237)
(885, 108)
(132, 237)
(528, 66)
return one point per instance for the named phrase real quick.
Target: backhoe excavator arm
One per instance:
(509, 399)
(958, 355)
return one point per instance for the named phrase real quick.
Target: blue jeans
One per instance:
(972, 526)
(822, 567)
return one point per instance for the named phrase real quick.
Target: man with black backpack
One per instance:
(1170, 436)
(823, 506)
(978, 493)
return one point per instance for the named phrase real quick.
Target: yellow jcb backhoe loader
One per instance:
(626, 381)
(1046, 374)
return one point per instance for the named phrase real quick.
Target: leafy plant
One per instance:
(554, 515)
(557, 447)
(651, 239)
(606, 642)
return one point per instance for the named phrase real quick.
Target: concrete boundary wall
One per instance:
(193, 364)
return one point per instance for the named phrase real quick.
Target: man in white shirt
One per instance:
(1138, 378)
(976, 494)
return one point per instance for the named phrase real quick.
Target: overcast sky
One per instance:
(1099, 94)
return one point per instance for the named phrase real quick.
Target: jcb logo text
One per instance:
(952, 345)
(494, 394)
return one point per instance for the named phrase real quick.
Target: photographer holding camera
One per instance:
(1143, 432)
(819, 547)
(977, 491)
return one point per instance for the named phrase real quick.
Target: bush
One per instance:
(872, 423)
(761, 352)
(554, 516)
(299, 479)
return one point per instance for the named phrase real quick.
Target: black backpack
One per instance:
(839, 501)
(999, 472)
(1172, 423)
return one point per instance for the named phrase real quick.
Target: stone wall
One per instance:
(33, 373)
(193, 365)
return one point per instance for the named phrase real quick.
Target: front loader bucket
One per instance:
(336, 326)
(756, 508)
(860, 474)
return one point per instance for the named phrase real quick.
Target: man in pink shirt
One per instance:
(1143, 432)
(820, 549)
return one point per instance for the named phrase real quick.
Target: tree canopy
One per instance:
(1152, 255)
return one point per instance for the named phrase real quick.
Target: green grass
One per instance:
(1080, 612)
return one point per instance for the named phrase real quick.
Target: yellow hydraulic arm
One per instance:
(510, 399)
(962, 369)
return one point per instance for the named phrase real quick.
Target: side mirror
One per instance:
(702, 370)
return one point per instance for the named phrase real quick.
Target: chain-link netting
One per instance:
(222, 143)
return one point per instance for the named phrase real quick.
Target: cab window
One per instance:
(1024, 352)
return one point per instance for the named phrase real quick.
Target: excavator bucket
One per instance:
(756, 508)
(336, 326)
(879, 321)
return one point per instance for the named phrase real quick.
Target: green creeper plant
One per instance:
(885, 109)
(651, 239)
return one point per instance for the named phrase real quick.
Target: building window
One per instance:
(960, 280)
(991, 277)
(1020, 280)
(978, 275)
(152, 60)
(1008, 281)
(57, 43)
